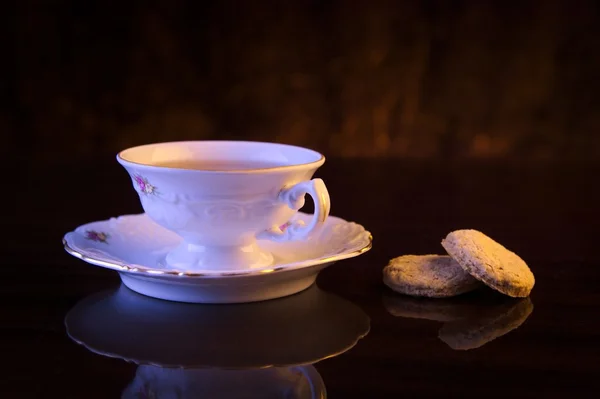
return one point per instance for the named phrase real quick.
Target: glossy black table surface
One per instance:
(480, 344)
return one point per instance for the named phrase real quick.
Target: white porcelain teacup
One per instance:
(220, 196)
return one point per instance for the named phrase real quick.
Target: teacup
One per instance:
(221, 196)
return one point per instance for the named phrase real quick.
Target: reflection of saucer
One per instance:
(134, 246)
(299, 329)
(475, 332)
(257, 350)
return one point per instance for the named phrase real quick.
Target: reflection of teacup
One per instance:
(255, 350)
(298, 382)
(220, 196)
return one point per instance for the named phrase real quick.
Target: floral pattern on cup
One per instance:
(97, 236)
(144, 186)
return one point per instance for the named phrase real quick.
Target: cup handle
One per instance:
(294, 198)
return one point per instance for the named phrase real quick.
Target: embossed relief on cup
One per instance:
(174, 210)
(234, 211)
(173, 216)
(219, 212)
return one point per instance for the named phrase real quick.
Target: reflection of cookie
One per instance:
(490, 262)
(472, 333)
(433, 276)
(448, 309)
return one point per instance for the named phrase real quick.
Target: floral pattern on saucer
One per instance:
(97, 236)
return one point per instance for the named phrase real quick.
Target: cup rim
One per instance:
(148, 166)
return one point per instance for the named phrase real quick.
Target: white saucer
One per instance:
(247, 350)
(134, 245)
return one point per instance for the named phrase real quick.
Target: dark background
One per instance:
(444, 80)
(465, 114)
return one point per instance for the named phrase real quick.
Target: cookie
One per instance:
(434, 276)
(471, 333)
(490, 262)
(441, 309)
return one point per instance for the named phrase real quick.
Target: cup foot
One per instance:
(193, 257)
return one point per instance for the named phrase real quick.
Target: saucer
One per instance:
(297, 330)
(134, 245)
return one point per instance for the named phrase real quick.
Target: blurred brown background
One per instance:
(412, 79)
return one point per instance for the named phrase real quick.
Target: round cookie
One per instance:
(475, 332)
(490, 262)
(434, 276)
